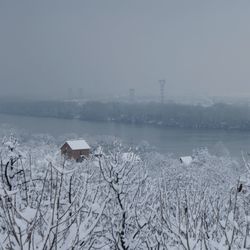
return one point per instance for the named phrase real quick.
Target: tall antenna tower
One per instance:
(162, 90)
(132, 95)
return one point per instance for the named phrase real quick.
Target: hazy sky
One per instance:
(106, 47)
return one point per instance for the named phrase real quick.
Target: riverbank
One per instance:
(165, 140)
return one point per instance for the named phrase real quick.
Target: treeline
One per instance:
(217, 116)
(57, 109)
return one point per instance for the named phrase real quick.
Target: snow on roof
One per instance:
(187, 160)
(78, 144)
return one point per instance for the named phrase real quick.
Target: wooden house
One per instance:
(76, 149)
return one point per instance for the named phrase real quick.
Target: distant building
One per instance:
(76, 149)
(186, 160)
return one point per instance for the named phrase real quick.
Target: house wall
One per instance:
(75, 154)
(65, 149)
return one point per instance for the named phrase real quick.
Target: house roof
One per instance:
(187, 160)
(78, 144)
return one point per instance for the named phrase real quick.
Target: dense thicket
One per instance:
(109, 202)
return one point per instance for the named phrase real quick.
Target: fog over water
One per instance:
(103, 48)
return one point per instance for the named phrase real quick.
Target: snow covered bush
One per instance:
(55, 206)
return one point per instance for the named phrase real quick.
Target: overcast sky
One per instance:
(106, 47)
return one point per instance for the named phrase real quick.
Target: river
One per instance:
(165, 140)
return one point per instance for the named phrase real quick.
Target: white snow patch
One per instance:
(186, 160)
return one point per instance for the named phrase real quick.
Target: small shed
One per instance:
(186, 160)
(75, 149)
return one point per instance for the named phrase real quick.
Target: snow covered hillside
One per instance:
(112, 201)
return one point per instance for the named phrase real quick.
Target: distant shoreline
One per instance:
(218, 116)
(127, 123)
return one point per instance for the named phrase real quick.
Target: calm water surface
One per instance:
(166, 140)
